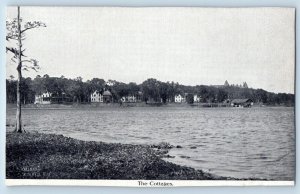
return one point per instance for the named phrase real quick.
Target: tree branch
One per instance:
(29, 61)
(31, 25)
(27, 29)
(34, 66)
(11, 37)
(14, 51)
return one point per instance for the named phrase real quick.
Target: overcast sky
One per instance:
(191, 46)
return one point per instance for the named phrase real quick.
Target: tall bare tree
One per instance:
(16, 32)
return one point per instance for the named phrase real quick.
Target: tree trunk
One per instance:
(18, 114)
(19, 69)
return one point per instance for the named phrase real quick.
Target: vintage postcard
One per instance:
(150, 97)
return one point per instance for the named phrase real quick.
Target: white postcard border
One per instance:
(143, 183)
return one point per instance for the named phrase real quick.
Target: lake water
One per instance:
(256, 142)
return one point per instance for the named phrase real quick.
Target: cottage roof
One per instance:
(243, 100)
(96, 92)
(106, 93)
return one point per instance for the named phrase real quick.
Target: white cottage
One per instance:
(129, 98)
(197, 98)
(96, 97)
(179, 98)
(44, 98)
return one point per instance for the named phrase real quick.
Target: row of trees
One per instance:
(151, 90)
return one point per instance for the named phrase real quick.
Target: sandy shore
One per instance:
(48, 156)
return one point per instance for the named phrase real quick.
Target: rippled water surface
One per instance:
(237, 142)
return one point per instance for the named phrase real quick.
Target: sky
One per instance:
(191, 46)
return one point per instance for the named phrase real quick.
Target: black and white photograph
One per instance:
(150, 97)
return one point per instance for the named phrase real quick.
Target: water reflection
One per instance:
(254, 142)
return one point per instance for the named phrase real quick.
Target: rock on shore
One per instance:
(49, 156)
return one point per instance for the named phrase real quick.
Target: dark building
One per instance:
(242, 102)
(107, 97)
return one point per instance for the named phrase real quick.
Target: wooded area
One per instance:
(79, 91)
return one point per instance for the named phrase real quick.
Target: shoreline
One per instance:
(129, 105)
(47, 156)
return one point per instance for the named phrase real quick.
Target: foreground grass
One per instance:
(48, 156)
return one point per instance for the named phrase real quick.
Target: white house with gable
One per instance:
(179, 98)
(44, 98)
(96, 97)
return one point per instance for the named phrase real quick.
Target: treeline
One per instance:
(152, 90)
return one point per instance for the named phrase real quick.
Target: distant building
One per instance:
(107, 97)
(197, 98)
(133, 98)
(129, 98)
(226, 84)
(44, 98)
(242, 102)
(179, 98)
(96, 96)
(51, 98)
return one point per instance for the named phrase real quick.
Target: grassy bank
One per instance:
(47, 156)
